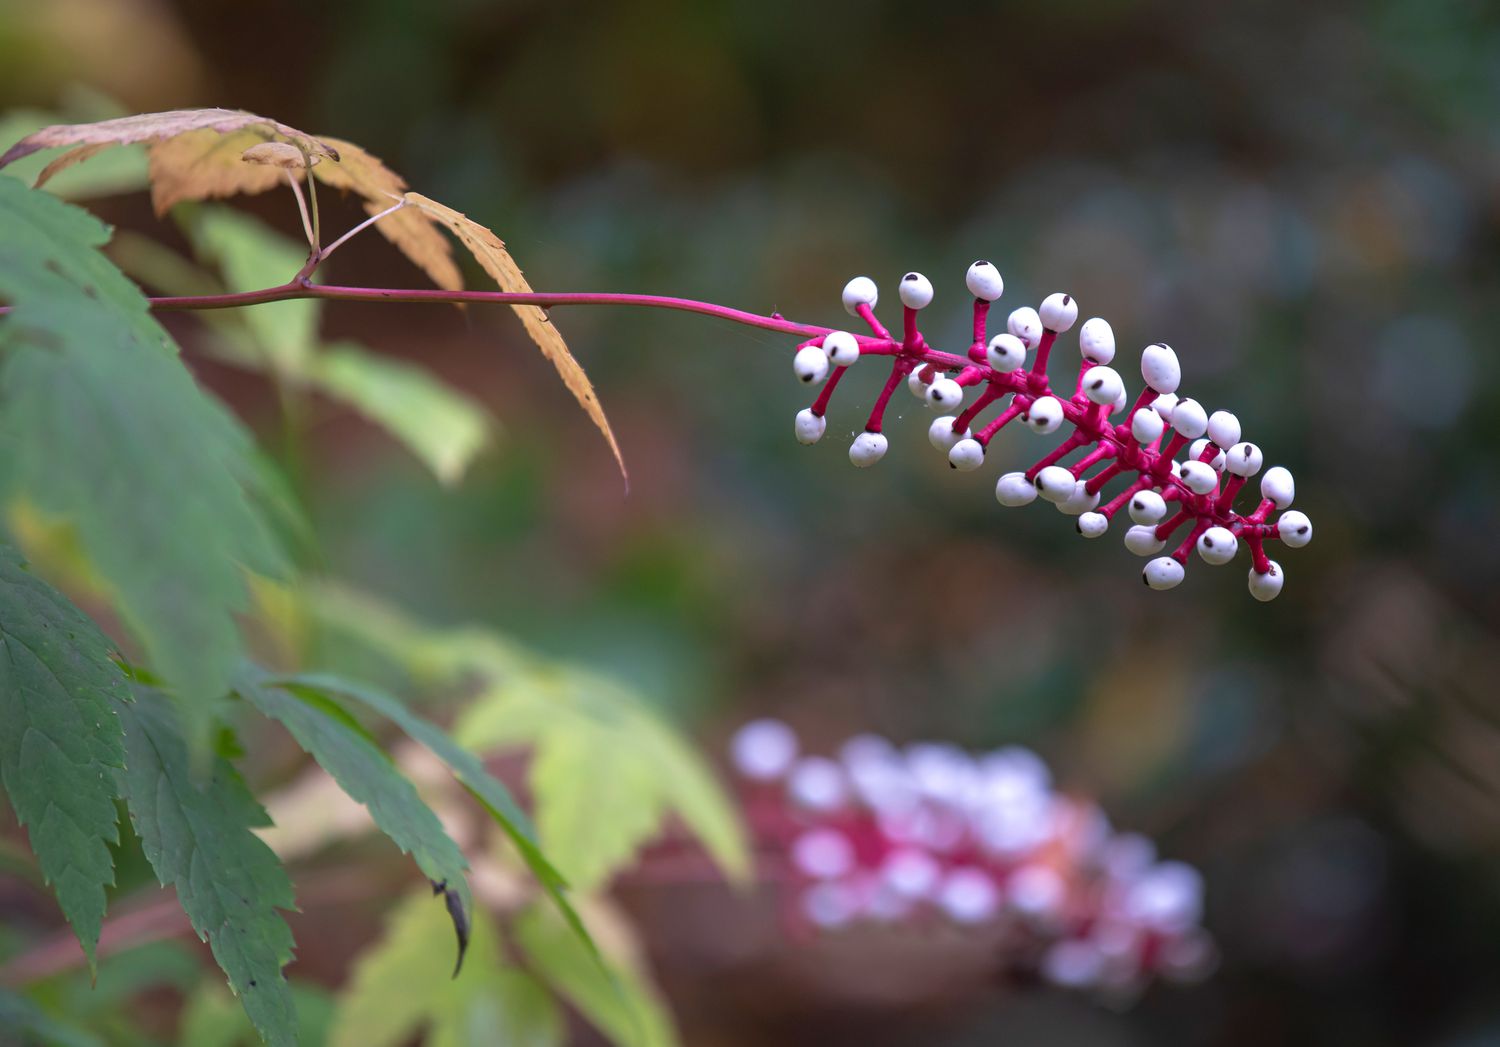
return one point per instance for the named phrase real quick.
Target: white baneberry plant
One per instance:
(1182, 467)
(902, 837)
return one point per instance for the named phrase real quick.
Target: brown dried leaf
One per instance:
(206, 165)
(489, 251)
(413, 234)
(67, 160)
(278, 154)
(156, 127)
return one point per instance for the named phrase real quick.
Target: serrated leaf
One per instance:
(250, 253)
(121, 172)
(156, 127)
(60, 740)
(617, 1001)
(196, 835)
(606, 772)
(101, 424)
(489, 251)
(363, 770)
(360, 172)
(207, 165)
(470, 772)
(441, 426)
(401, 987)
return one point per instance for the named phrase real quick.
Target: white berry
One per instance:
(916, 291)
(1164, 404)
(1102, 385)
(941, 435)
(809, 427)
(1245, 459)
(1160, 369)
(1092, 525)
(1142, 541)
(1058, 312)
(1080, 501)
(966, 455)
(1013, 489)
(1163, 573)
(1223, 429)
(842, 348)
(1189, 418)
(763, 749)
(1146, 425)
(860, 291)
(1006, 352)
(1096, 341)
(1294, 528)
(944, 394)
(810, 364)
(1055, 484)
(1045, 414)
(1200, 477)
(1026, 324)
(1217, 545)
(1147, 507)
(1278, 486)
(983, 281)
(914, 383)
(1267, 586)
(867, 449)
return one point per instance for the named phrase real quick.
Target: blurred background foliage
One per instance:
(1302, 199)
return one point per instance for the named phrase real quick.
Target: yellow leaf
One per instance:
(489, 251)
(204, 165)
(156, 127)
(359, 172)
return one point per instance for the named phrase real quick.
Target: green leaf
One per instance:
(211, 1018)
(469, 770)
(616, 1000)
(60, 740)
(252, 255)
(401, 987)
(100, 423)
(363, 770)
(605, 774)
(444, 428)
(196, 835)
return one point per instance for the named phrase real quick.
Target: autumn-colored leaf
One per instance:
(156, 127)
(359, 172)
(206, 165)
(489, 251)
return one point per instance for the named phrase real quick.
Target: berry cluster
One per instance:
(931, 833)
(1196, 487)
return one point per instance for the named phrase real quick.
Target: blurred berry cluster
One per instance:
(1201, 488)
(930, 833)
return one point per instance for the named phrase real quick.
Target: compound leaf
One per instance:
(60, 740)
(364, 771)
(489, 251)
(196, 834)
(156, 127)
(102, 425)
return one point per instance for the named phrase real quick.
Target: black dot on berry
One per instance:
(1067, 300)
(910, 276)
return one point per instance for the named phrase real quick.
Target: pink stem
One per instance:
(1096, 483)
(1258, 552)
(868, 316)
(989, 396)
(1000, 421)
(877, 414)
(1166, 527)
(1231, 488)
(1057, 453)
(1180, 554)
(1043, 350)
(1118, 501)
(981, 314)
